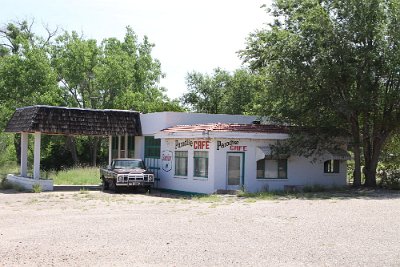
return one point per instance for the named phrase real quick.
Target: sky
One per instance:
(189, 35)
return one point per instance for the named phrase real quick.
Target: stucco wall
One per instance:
(300, 170)
(169, 180)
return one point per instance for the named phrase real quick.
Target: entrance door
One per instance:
(234, 171)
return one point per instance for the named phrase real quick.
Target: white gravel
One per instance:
(103, 229)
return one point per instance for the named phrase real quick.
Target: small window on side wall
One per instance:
(181, 163)
(331, 166)
(272, 169)
(200, 159)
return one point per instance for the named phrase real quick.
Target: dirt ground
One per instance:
(92, 228)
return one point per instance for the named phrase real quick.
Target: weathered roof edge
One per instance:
(74, 121)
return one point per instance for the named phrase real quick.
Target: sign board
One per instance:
(166, 160)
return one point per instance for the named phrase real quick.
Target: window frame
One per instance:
(151, 143)
(279, 164)
(186, 162)
(194, 164)
(332, 166)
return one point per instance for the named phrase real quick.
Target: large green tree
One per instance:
(221, 92)
(69, 70)
(26, 75)
(333, 64)
(114, 75)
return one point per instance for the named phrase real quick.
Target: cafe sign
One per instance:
(231, 145)
(195, 144)
(166, 160)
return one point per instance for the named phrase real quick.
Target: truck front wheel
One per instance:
(104, 184)
(115, 187)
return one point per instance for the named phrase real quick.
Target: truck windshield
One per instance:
(128, 164)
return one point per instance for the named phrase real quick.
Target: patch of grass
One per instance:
(36, 188)
(8, 167)
(314, 188)
(76, 176)
(4, 184)
(32, 201)
(250, 200)
(208, 198)
(83, 191)
(262, 195)
(318, 192)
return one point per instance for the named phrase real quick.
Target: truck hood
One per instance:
(127, 171)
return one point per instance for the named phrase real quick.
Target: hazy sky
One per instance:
(189, 35)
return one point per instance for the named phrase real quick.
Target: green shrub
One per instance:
(314, 188)
(389, 179)
(4, 184)
(36, 188)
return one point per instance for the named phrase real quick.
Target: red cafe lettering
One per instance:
(238, 148)
(203, 144)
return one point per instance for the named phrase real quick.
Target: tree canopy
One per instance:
(69, 70)
(221, 92)
(333, 64)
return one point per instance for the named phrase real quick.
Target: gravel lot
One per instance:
(103, 229)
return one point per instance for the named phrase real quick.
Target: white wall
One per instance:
(169, 180)
(155, 122)
(300, 170)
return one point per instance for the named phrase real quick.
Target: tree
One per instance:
(70, 70)
(333, 64)
(205, 91)
(26, 75)
(241, 92)
(221, 92)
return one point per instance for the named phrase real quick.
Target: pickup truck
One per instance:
(126, 173)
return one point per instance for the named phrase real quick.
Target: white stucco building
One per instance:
(192, 152)
(205, 153)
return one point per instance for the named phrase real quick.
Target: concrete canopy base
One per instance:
(28, 182)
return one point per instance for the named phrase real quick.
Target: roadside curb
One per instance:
(76, 187)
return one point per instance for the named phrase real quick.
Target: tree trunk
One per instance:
(357, 166)
(355, 129)
(71, 147)
(371, 155)
(17, 145)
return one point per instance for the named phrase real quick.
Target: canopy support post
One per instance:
(119, 146)
(24, 154)
(126, 146)
(109, 150)
(36, 157)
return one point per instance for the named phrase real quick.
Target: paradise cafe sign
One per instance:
(231, 145)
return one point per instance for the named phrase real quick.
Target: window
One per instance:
(131, 146)
(181, 163)
(272, 169)
(152, 147)
(200, 164)
(331, 166)
(115, 142)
